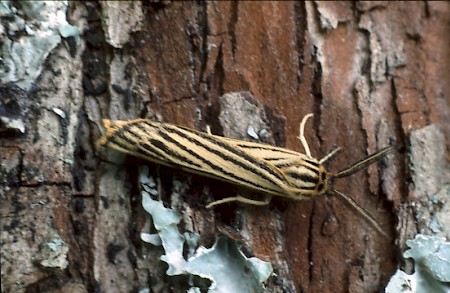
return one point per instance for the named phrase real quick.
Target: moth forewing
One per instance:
(277, 156)
(195, 152)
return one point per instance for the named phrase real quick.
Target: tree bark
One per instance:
(372, 73)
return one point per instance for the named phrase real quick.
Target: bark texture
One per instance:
(371, 72)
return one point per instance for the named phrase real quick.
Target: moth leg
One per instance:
(301, 136)
(266, 201)
(208, 130)
(330, 154)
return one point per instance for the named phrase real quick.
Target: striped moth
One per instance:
(275, 171)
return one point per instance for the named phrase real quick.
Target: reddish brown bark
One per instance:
(369, 71)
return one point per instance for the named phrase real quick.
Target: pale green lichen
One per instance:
(37, 28)
(165, 221)
(431, 256)
(224, 264)
(228, 268)
(52, 252)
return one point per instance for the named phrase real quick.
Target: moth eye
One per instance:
(320, 187)
(324, 176)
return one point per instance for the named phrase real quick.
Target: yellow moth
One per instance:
(275, 171)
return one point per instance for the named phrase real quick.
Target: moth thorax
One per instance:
(308, 176)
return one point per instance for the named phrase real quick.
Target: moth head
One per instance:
(309, 177)
(325, 182)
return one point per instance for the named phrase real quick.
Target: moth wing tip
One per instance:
(107, 123)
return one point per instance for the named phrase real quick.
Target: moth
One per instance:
(274, 171)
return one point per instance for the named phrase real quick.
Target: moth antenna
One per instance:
(352, 169)
(360, 210)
